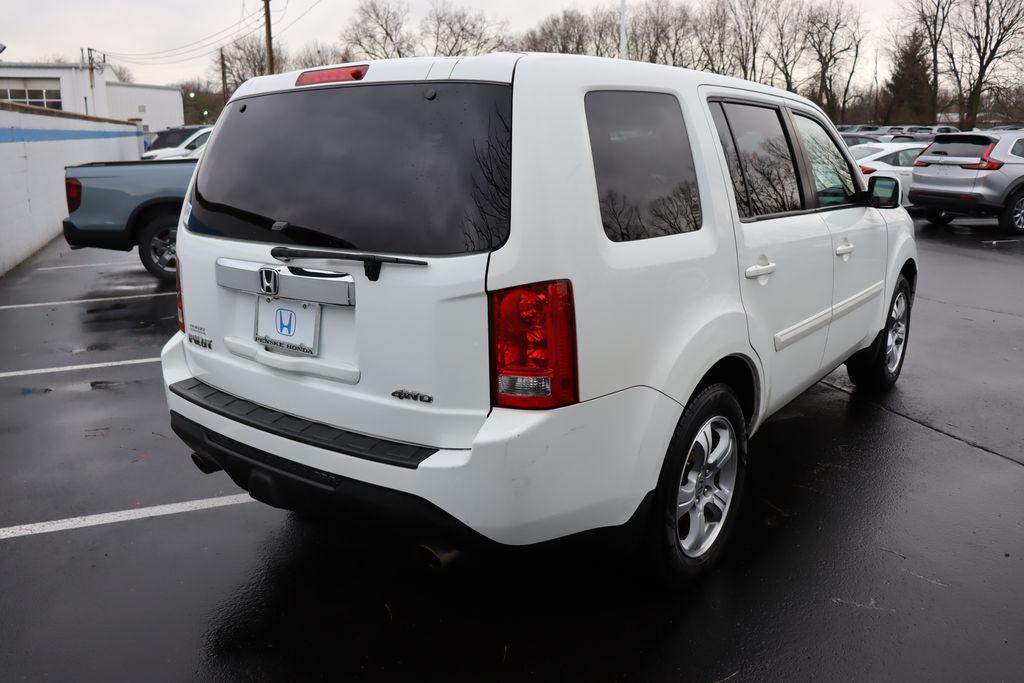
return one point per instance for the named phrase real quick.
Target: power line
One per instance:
(184, 48)
(289, 24)
(194, 57)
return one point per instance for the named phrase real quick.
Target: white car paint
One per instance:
(192, 144)
(652, 315)
(880, 158)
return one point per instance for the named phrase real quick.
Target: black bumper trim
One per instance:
(299, 429)
(120, 240)
(959, 202)
(290, 485)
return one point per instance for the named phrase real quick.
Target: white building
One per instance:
(69, 87)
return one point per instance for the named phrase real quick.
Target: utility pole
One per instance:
(622, 30)
(223, 77)
(270, 43)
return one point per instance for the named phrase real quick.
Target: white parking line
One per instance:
(86, 301)
(70, 368)
(93, 265)
(121, 516)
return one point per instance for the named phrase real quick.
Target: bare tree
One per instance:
(749, 19)
(713, 34)
(661, 32)
(449, 31)
(984, 37)
(123, 73)
(834, 38)
(786, 46)
(318, 53)
(246, 58)
(604, 31)
(932, 17)
(381, 30)
(568, 33)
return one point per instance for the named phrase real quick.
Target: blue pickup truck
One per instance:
(117, 205)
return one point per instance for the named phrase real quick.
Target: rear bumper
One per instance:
(530, 476)
(954, 202)
(120, 240)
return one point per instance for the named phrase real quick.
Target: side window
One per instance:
(646, 180)
(198, 142)
(907, 156)
(765, 159)
(891, 159)
(732, 159)
(1018, 148)
(833, 178)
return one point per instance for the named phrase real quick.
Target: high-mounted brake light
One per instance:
(533, 346)
(987, 163)
(177, 286)
(335, 75)
(73, 191)
(866, 170)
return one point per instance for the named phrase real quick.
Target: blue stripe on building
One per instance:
(55, 134)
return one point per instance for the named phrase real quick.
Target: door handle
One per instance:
(754, 272)
(844, 249)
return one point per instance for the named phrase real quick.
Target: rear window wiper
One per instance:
(371, 262)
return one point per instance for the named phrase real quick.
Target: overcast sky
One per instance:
(35, 30)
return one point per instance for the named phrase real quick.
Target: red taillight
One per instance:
(335, 75)
(866, 170)
(73, 191)
(987, 163)
(533, 346)
(919, 163)
(177, 285)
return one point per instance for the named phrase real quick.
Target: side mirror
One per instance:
(884, 193)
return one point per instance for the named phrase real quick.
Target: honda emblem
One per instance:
(269, 281)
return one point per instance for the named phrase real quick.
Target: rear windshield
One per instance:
(171, 138)
(419, 168)
(959, 146)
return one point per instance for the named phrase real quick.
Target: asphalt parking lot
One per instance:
(880, 540)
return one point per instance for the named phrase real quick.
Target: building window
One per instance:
(38, 92)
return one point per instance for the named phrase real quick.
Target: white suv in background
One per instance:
(513, 298)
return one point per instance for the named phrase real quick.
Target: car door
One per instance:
(858, 234)
(784, 252)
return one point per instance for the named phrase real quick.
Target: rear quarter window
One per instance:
(959, 145)
(646, 180)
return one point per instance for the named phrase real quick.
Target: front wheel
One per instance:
(1011, 220)
(877, 367)
(158, 248)
(700, 486)
(938, 217)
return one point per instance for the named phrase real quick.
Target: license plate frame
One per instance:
(304, 315)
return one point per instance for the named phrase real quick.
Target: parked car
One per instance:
(972, 174)
(118, 205)
(852, 139)
(512, 319)
(172, 137)
(869, 128)
(894, 160)
(190, 144)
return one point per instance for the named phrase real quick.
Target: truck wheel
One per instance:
(700, 487)
(157, 246)
(938, 217)
(876, 368)
(1012, 218)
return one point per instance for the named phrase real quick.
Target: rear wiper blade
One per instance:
(371, 262)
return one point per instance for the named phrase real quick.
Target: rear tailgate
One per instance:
(418, 171)
(940, 167)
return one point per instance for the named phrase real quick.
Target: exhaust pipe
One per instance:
(436, 559)
(205, 464)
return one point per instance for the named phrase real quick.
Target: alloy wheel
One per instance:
(1018, 215)
(706, 486)
(896, 337)
(163, 249)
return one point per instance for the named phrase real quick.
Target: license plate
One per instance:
(288, 325)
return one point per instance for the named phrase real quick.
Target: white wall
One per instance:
(35, 146)
(158, 106)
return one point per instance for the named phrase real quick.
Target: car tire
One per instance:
(938, 217)
(876, 368)
(697, 503)
(1011, 220)
(157, 246)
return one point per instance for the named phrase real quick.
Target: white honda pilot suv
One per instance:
(513, 298)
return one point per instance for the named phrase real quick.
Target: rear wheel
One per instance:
(938, 217)
(157, 246)
(1012, 218)
(700, 486)
(877, 367)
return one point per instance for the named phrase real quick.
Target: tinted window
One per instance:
(959, 145)
(646, 182)
(907, 157)
(402, 168)
(1018, 148)
(766, 160)
(833, 179)
(732, 160)
(171, 138)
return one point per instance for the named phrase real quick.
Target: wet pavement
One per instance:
(880, 539)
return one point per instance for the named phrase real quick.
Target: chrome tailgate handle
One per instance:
(338, 289)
